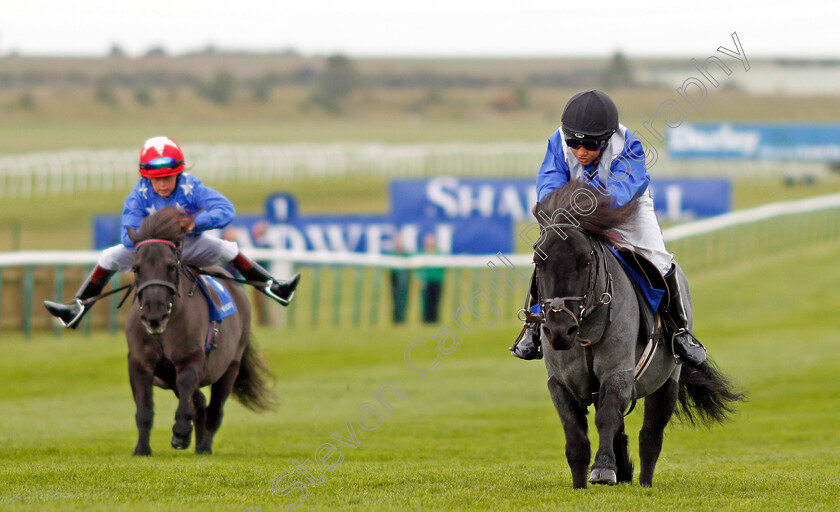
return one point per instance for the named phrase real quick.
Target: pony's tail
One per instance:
(251, 387)
(706, 396)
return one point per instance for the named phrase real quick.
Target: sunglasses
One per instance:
(164, 162)
(591, 145)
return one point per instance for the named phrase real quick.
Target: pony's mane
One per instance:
(164, 224)
(577, 203)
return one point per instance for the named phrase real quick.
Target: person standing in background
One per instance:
(432, 280)
(400, 282)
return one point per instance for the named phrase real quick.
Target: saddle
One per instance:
(220, 304)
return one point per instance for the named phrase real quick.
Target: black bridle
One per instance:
(173, 287)
(558, 304)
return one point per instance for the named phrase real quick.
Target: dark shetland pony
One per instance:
(166, 331)
(592, 342)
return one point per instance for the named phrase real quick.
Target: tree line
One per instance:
(330, 81)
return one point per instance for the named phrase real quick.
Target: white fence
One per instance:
(70, 172)
(65, 173)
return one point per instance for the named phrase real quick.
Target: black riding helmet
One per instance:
(589, 116)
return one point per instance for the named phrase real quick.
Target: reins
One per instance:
(191, 270)
(219, 275)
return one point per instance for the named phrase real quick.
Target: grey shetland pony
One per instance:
(592, 341)
(167, 334)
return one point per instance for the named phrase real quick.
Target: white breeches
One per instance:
(201, 251)
(643, 235)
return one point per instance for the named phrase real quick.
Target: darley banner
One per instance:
(802, 142)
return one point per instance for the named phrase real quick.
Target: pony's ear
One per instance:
(133, 235)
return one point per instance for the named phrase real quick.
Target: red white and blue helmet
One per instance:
(161, 157)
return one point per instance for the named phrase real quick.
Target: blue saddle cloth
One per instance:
(653, 296)
(225, 307)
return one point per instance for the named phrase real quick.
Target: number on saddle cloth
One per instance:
(219, 301)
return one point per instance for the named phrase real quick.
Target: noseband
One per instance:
(173, 287)
(558, 304)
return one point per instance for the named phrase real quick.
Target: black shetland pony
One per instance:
(592, 341)
(167, 330)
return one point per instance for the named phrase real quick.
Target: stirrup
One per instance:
(530, 353)
(679, 359)
(282, 301)
(71, 323)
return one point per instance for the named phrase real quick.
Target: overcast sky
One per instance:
(804, 28)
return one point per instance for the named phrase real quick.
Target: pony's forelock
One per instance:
(164, 224)
(578, 204)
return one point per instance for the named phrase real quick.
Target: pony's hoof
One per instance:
(141, 451)
(180, 443)
(602, 476)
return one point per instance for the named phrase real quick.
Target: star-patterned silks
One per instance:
(151, 209)
(187, 187)
(143, 190)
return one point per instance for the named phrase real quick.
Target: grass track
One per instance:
(456, 442)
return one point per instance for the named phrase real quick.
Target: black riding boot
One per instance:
(528, 346)
(69, 315)
(281, 291)
(684, 344)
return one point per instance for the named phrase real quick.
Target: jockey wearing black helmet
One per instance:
(589, 116)
(591, 145)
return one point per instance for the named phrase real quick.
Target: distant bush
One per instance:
(104, 91)
(518, 97)
(116, 51)
(618, 73)
(26, 101)
(220, 90)
(156, 51)
(143, 96)
(261, 88)
(333, 86)
(432, 97)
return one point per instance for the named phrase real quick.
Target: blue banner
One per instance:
(375, 234)
(802, 142)
(451, 198)
(370, 234)
(683, 199)
(463, 198)
(466, 216)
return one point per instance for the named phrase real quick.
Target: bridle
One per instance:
(173, 287)
(558, 304)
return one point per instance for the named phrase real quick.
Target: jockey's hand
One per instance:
(187, 222)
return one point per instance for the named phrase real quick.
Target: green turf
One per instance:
(479, 433)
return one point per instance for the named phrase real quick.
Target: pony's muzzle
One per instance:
(155, 318)
(558, 336)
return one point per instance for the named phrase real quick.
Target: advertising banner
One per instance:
(803, 142)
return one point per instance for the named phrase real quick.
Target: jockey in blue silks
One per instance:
(592, 146)
(163, 183)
